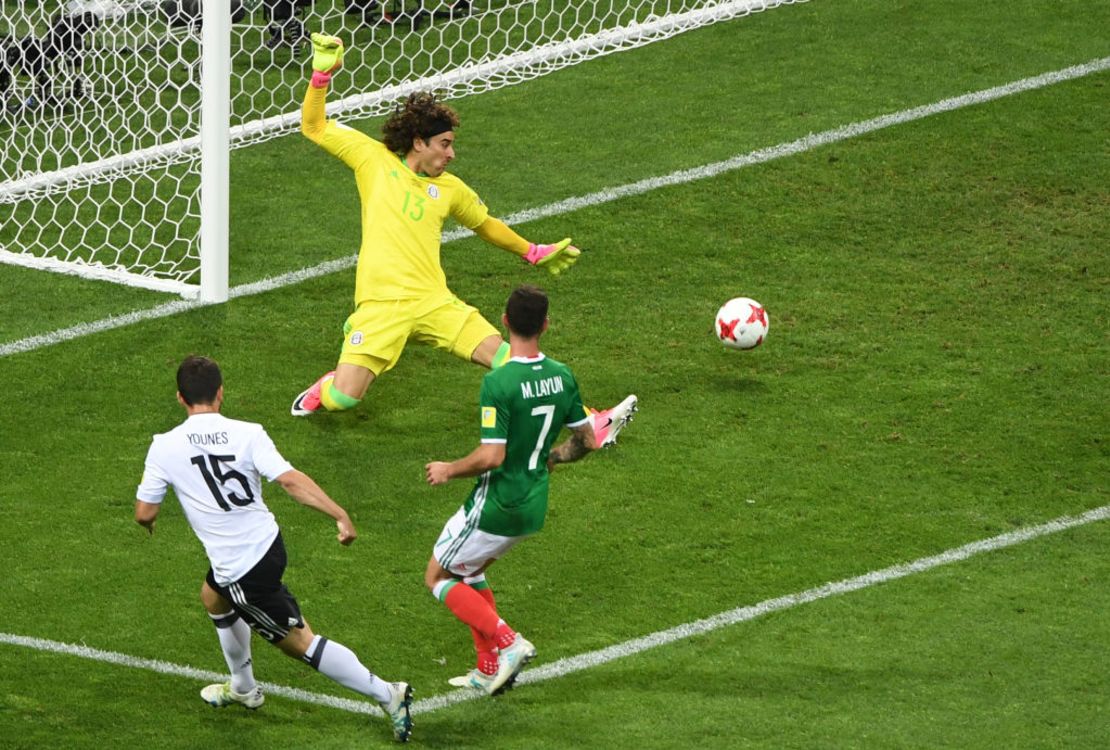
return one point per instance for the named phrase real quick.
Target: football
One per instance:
(742, 323)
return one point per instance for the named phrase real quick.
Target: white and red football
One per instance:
(742, 323)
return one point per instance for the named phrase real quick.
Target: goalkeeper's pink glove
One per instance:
(327, 57)
(555, 258)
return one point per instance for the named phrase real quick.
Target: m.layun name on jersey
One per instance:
(540, 388)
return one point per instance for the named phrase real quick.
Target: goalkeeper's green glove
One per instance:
(327, 57)
(555, 258)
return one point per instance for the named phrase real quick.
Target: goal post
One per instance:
(215, 120)
(117, 117)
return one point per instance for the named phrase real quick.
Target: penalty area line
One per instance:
(683, 176)
(591, 659)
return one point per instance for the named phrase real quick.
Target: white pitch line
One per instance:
(681, 177)
(591, 659)
(179, 670)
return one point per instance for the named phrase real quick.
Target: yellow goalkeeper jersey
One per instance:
(402, 215)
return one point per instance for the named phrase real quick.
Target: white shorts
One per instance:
(465, 550)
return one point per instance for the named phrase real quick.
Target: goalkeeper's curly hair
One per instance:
(421, 116)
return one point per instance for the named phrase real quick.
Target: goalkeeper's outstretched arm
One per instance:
(497, 232)
(327, 57)
(313, 120)
(555, 258)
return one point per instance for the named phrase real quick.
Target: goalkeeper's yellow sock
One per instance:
(334, 399)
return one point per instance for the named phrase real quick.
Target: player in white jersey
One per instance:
(215, 465)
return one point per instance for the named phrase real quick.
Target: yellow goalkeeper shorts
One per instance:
(375, 334)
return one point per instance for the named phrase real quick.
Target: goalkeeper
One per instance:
(400, 287)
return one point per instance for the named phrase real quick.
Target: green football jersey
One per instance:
(524, 404)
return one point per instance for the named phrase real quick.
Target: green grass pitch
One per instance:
(935, 374)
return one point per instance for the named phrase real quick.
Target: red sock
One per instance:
(487, 659)
(487, 594)
(505, 636)
(481, 643)
(471, 607)
(487, 662)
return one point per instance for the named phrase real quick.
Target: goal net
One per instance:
(101, 102)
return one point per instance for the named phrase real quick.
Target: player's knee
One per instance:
(212, 601)
(296, 643)
(434, 574)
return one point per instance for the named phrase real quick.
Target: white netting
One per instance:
(100, 100)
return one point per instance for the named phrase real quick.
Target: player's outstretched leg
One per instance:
(397, 710)
(609, 423)
(325, 393)
(221, 694)
(333, 659)
(309, 400)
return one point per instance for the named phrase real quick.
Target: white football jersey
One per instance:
(213, 464)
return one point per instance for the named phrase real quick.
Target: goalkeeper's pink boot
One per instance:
(609, 423)
(309, 401)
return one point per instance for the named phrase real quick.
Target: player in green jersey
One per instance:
(523, 406)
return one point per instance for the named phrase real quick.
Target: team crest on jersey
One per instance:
(489, 416)
(356, 338)
(433, 191)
